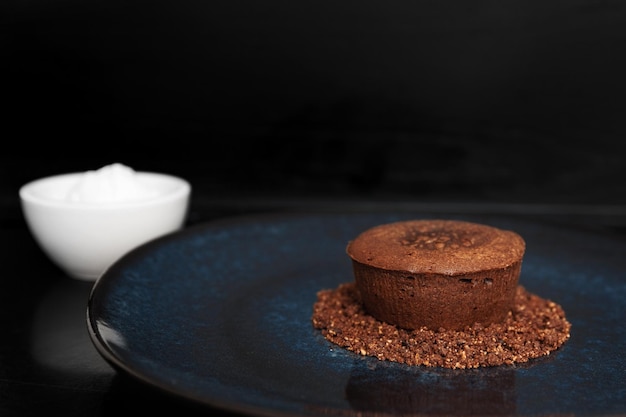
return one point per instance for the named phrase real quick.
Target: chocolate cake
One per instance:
(437, 273)
(439, 293)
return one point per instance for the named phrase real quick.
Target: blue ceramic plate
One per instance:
(219, 314)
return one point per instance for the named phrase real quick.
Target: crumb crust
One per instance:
(534, 327)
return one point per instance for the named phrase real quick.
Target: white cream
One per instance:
(113, 183)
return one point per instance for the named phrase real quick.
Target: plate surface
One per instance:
(220, 314)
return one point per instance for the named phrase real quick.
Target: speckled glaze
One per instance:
(443, 247)
(219, 314)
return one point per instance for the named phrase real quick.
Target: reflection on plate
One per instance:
(219, 314)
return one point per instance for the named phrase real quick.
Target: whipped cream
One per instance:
(113, 183)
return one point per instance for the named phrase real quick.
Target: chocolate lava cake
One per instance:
(440, 293)
(437, 273)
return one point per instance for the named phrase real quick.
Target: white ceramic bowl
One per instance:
(85, 238)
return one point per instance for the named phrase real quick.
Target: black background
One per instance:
(483, 101)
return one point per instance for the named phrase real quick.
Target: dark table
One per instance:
(48, 363)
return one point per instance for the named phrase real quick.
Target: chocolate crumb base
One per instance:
(533, 328)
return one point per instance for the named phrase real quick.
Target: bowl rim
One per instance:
(182, 190)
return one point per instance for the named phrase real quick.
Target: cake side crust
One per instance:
(434, 300)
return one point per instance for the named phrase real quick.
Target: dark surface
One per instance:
(49, 363)
(449, 107)
(221, 315)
